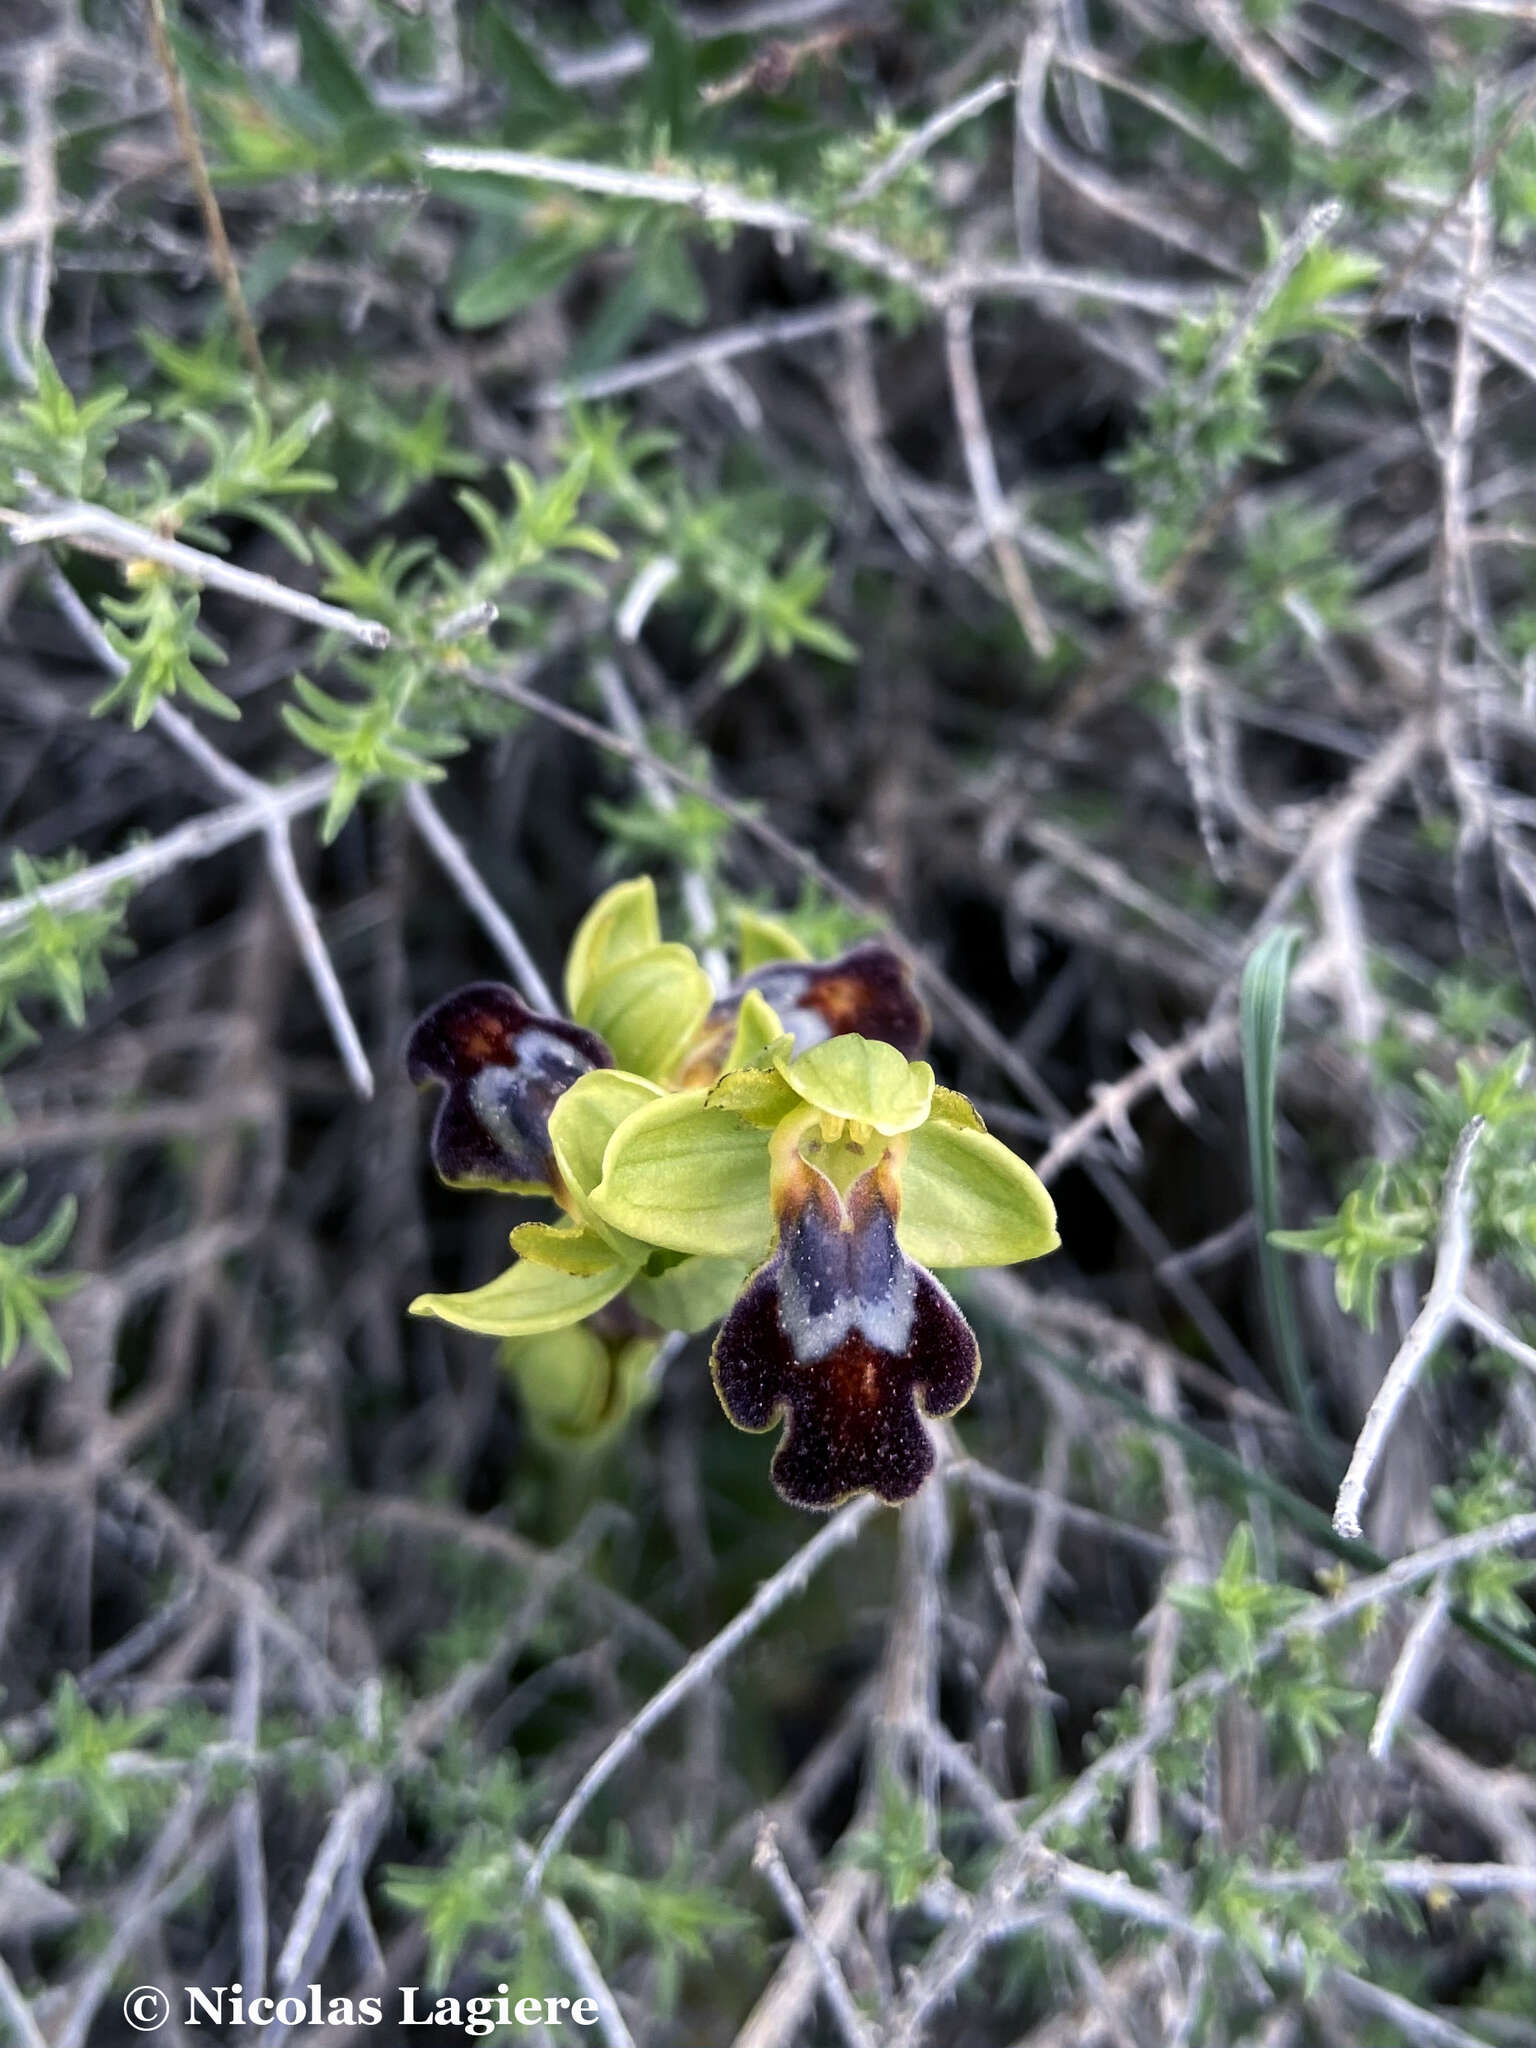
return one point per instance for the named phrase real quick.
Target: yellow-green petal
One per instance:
(649, 1009)
(966, 1200)
(689, 1178)
(586, 1117)
(757, 1094)
(762, 940)
(949, 1106)
(757, 1028)
(527, 1299)
(563, 1249)
(621, 924)
(580, 1125)
(862, 1079)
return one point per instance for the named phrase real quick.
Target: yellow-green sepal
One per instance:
(564, 1249)
(577, 1388)
(863, 1080)
(760, 941)
(693, 1179)
(690, 1295)
(527, 1299)
(622, 924)
(966, 1200)
(649, 1010)
(580, 1125)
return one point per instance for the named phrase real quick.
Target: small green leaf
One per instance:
(862, 1079)
(159, 642)
(1378, 1223)
(897, 1845)
(690, 1178)
(1322, 274)
(671, 96)
(56, 954)
(25, 1291)
(327, 68)
(1230, 1615)
(529, 90)
(649, 1010)
(527, 273)
(622, 924)
(526, 1299)
(966, 1200)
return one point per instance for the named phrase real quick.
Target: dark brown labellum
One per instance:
(504, 1068)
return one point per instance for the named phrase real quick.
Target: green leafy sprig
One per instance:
(57, 954)
(25, 1290)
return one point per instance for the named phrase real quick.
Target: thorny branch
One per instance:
(1440, 1311)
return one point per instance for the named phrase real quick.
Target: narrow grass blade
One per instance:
(1266, 976)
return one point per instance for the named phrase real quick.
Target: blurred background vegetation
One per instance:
(1053, 484)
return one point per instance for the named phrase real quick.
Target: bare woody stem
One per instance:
(769, 1859)
(199, 839)
(448, 851)
(97, 531)
(787, 1581)
(986, 488)
(1441, 1311)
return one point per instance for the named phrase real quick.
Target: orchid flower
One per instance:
(843, 1175)
(775, 1157)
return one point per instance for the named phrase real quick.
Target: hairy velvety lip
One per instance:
(504, 1067)
(845, 1339)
